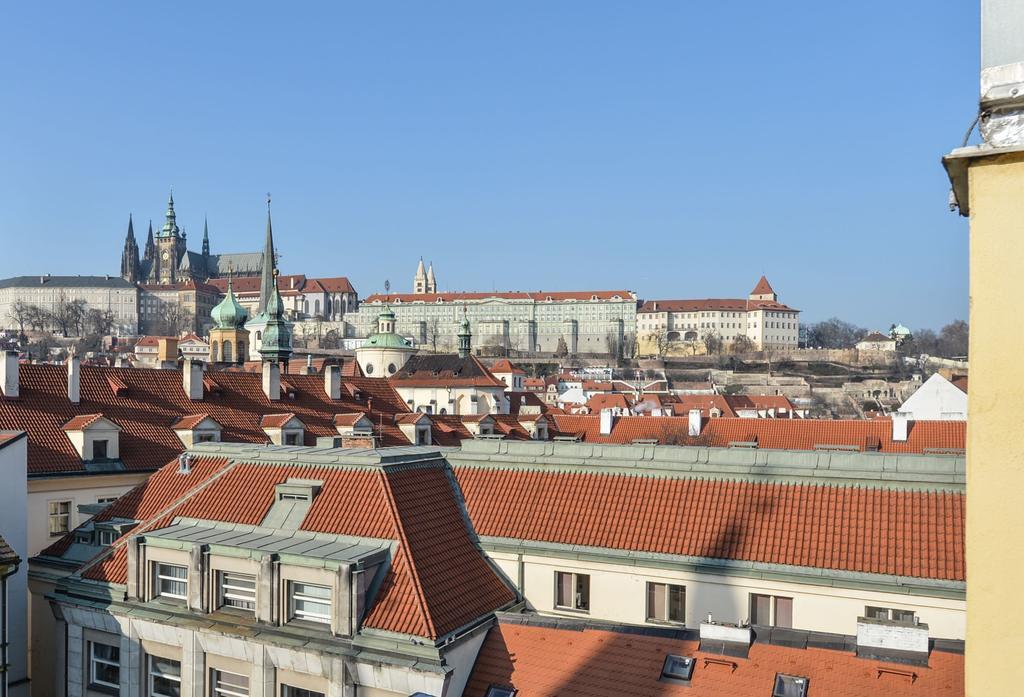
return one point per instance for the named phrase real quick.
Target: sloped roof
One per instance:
(543, 658)
(876, 336)
(536, 296)
(844, 528)
(65, 282)
(416, 507)
(763, 287)
(504, 365)
(759, 401)
(444, 369)
(784, 434)
(154, 400)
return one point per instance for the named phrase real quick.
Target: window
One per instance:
(666, 602)
(107, 537)
(289, 691)
(104, 666)
(99, 450)
(893, 614)
(677, 668)
(291, 439)
(500, 691)
(226, 684)
(789, 686)
(60, 517)
(170, 581)
(164, 677)
(237, 590)
(572, 591)
(771, 611)
(309, 602)
(106, 499)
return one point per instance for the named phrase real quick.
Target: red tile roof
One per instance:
(540, 660)
(276, 420)
(348, 419)
(704, 402)
(416, 507)
(763, 287)
(538, 296)
(844, 528)
(518, 400)
(961, 384)
(606, 400)
(504, 365)
(784, 434)
(84, 421)
(189, 422)
(877, 336)
(713, 304)
(154, 400)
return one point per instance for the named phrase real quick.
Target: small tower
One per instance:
(764, 291)
(168, 241)
(276, 346)
(465, 336)
(130, 255)
(229, 339)
(385, 353)
(419, 281)
(206, 239)
(431, 281)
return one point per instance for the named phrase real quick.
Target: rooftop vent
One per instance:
(184, 463)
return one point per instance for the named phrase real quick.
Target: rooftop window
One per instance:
(500, 691)
(789, 686)
(309, 602)
(237, 591)
(677, 668)
(170, 581)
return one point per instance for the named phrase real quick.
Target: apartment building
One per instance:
(106, 293)
(279, 571)
(760, 317)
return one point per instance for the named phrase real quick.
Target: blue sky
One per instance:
(676, 149)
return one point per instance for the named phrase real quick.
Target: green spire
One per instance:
(268, 280)
(465, 336)
(170, 224)
(276, 346)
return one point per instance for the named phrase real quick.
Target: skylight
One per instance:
(677, 668)
(789, 686)
(500, 691)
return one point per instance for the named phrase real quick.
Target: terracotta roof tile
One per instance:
(831, 527)
(538, 296)
(79, 423)
(539, 661)
(276, 420)
(154, 400)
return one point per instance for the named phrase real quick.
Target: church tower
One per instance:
(419, 281)
(268, 283)
(276, 345)
(169, 248)
(150, 251)
(465, 336)
(431, 281)
(130, 256)
(229, 339)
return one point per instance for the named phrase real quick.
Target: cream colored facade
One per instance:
(106, 293)
(618, 592)
(454, 400)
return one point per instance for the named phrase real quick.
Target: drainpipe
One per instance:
(4, 642)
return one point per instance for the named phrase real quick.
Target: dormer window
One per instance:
(99, 449)
(197, 428)
(170, 581)
(94, 436)
(284, 429)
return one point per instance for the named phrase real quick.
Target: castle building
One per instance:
(166, 260)
(424, 281)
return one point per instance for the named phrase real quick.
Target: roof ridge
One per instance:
(405, 549)
(229, 464)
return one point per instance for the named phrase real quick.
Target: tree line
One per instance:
(69, 316)
(949, 342)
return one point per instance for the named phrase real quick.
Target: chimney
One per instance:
(192, 379)
(74, 379)
(119, 361)
(332, 382)
(184, 463)
(879, 639)
(9, 373)
(272, 381)
(900, 424)
(167, 350)
(694, 429)
(607, 421)
(309, 364)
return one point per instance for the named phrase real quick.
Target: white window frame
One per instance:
(295, 691)
(575, 583)
(94, 659)
(158, 578)
(66, 515)
(666, 588)
(150, 692)
(217, 691)
(293, 595)
(233, 592)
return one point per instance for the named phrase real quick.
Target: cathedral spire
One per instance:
(267, 282)
(150, 245)
(130, 255)
(170, 224)
(206, 238)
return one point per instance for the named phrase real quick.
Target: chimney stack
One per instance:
(9, 373)
(309, 365)
(694, 426)
(607, 421)
(900, 426)
(74, 379)
(272, 381)
(192, 379)
(332, 381)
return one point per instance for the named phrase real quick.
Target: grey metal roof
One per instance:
(336, 548)
(240, 264)
(65, 282)
(306, 455)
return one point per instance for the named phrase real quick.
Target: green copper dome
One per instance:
(386, 337)
(229, 314)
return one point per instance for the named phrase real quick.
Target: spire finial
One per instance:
(268, 201)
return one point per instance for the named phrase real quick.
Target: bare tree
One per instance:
(433, 332)
(629, 346)
(99, 322)
(562, 349)
(660, 340)
(330, 340)
(743, 344)
(68, 315)
(20, 312)
(712, 342)
(612, 345)
(37, 318)
(172, 320)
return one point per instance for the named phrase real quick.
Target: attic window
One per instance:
(743, 443)
(677, 669)
(501, 691)
(789, 686)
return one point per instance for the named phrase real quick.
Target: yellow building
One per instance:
(987, 183)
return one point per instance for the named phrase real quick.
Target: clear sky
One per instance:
(678, 149)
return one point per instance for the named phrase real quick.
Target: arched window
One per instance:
(305, 307)
(241, 352)
(214, 351)
(226, 347)
(316, 307)
(259, 336)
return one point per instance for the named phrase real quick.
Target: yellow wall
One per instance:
(995, 451)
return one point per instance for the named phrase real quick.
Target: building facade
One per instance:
(105, 293)
(586, 322)
(760, 318)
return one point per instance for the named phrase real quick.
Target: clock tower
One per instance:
(170, 246)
